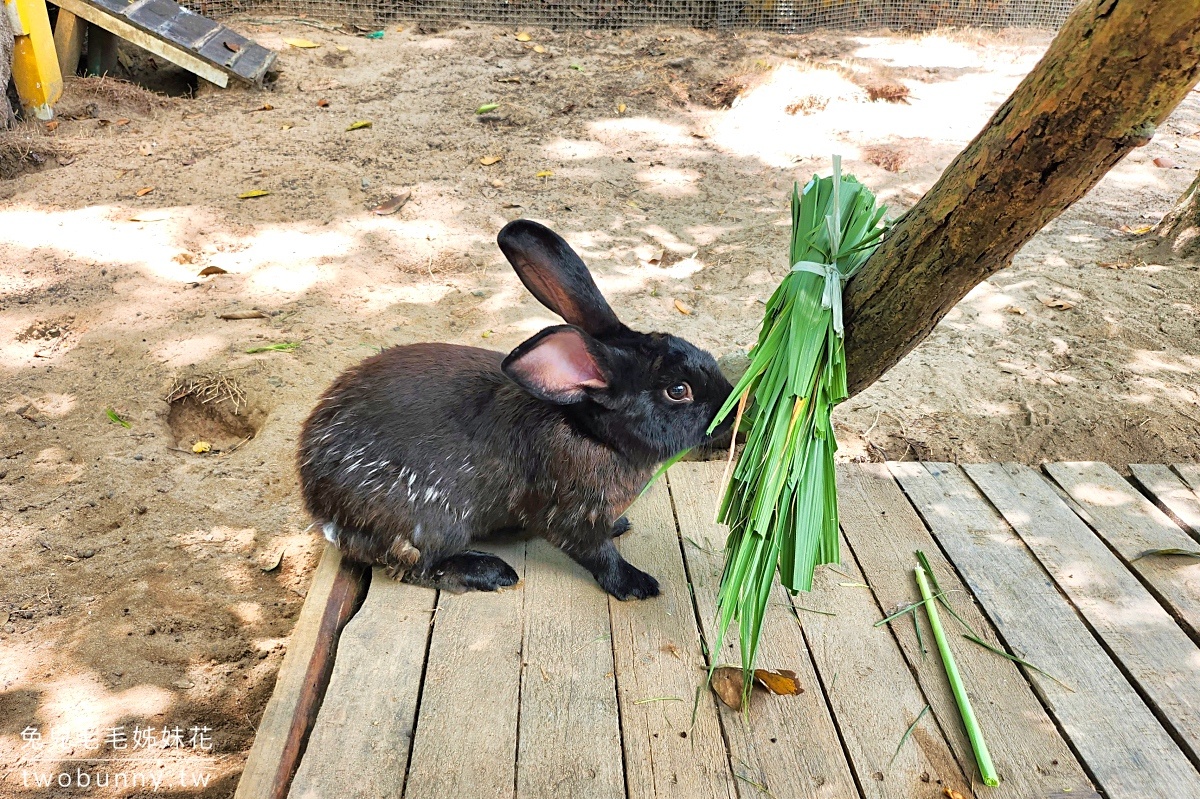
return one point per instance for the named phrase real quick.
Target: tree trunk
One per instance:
(1179, 230)
(1115, 71)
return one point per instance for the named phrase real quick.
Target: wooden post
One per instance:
(68, 41)
(35, 64)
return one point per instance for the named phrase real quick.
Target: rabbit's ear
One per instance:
(559, 365)
(554, 274)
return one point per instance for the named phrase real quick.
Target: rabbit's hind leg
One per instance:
(464, 571)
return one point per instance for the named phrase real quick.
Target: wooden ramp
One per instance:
(183, 37)
(552, 689)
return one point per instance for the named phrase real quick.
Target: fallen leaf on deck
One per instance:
(393, 204)
(359, 124)
(232, 47)
(200, 447)
(537, 48)
(303, 44)
(142, 192)
(952, 794)
(488, 160)
(1187, 553)
(727, 684)
(235, 315)
(249, 195)
(212, 270)
(523, 37)
(782, 682)
(1055, 302)
(683, 308)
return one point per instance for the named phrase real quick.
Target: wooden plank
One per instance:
(790, 744)
(1131, 525)
(1123, 746)
(68, 41)
(872, 692)
(360, 743)
(1171, 492)
(659, 669)
(466, 738)
(332, 596)
(884, 531)
(1190, 474)
(570, 736)
(126, 30)
(1155, 652)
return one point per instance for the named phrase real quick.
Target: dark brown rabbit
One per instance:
(416, 452)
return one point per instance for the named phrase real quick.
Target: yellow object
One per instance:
(200, 447)
(35, 63)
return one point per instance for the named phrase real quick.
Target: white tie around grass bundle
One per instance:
(781, 500)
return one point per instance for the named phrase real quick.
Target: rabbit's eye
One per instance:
(680, 392)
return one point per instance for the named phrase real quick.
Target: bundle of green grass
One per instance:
(781, 499)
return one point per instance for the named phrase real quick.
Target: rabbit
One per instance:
(417, 452)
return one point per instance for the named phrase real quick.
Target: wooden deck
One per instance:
(551, 689)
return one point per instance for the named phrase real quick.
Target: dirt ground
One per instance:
(147, 586)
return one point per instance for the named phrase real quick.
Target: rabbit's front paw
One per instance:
(629, 582)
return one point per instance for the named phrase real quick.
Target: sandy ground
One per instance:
(143, 586)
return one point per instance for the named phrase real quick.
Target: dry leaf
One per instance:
(537, 48)
(1014, 309)
(65, 160)
(488, 160)
(727, 684)
(266, 107)
(1136, 231)
(212, 270)
(392, 204)
(273, 563)
(523, 37)
(248, 195)
(682, 307)
(303, 44)
(184, 258)
(150, 216)
(286, 127)
(1162, 162)
(52, 125)
(621, 108)
(782, 682)
(545, 173)
(142, 192)
(359, 124)
(322, 103)
(120, 122)
(951, 793)
(236, 315)
(1055, 302)
(232, 47)
(200, 447)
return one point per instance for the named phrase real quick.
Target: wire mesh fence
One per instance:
(787, 16)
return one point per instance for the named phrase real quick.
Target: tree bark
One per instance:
(1179, 230)
(1115, 71)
